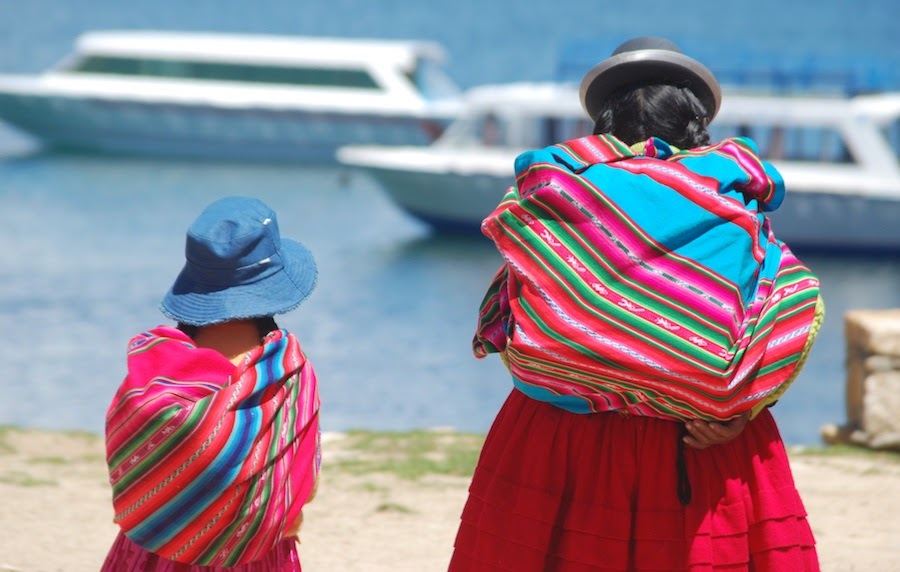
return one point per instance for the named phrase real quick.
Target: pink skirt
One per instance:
(555, 490)
(126, 556)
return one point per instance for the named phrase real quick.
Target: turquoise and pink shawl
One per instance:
(209, 462)
(647, 280)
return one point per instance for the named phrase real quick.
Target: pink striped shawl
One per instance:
(211, 463)
(647, 281)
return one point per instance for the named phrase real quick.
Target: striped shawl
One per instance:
(647, 280)
(210, 463)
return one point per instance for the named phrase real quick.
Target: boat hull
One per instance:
(166, 129)
(838, 221)
(806, 219)
(446, 201)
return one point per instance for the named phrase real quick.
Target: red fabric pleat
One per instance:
(557, 491)
(126, 556)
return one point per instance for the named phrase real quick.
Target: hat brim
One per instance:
(188, 303)
(649, 66)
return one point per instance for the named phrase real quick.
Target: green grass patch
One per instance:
(369, 487)
(20, 479)
(83, 435)
(48, 461)
(846, 451)
(6, 432)
(394, 507)
(411, 454)
(5, 447)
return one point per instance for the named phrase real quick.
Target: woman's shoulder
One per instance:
(735, 162)
(734, 148)
(157, 334)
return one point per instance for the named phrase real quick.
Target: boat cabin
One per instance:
(863, 131)
(518, 116)
(300, 62)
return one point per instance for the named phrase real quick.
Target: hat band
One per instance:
(229, 277)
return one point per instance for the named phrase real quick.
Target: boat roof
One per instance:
(882, 107)
(543, 98)
(756, 67)
(256, 48)
(786, 110)
(561, 99)
(807, 110)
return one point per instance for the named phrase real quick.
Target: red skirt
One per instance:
(556, 490)
(126, 556)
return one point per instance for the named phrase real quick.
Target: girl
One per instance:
(213, 437)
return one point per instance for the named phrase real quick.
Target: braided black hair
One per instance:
(674, 114)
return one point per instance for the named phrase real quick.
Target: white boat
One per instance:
(838, 157)
(456, 181)
(233, 95)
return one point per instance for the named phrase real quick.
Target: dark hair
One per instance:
(674, 114)
(264, 325)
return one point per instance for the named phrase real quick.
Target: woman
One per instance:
(649, 317)
(213, 437)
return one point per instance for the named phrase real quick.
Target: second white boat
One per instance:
(838, 157)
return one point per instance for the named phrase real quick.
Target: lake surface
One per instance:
(89, 244)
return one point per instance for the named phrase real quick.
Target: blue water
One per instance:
(89, 244)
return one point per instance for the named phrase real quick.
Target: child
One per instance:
(213, 437)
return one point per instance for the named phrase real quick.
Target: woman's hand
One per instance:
(703, 434)
(294, 528)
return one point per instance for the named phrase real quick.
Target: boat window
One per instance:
(227, 72)
(792, 143)
(556, 129)
(498, 129)
(432, 82)
(892, 134)
(493, 131)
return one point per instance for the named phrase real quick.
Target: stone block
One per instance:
(881, 403)
(873, 380)
(874, 332)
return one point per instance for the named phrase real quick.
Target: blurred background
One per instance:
(89, 243)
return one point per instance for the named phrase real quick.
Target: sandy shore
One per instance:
(390, 503)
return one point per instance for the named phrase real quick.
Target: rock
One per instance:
(873, 381)
(881, 363)
(875, 332)
(833, 435)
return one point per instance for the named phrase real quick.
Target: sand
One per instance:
(56, 513)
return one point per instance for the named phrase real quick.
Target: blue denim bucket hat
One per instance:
(238, 267)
